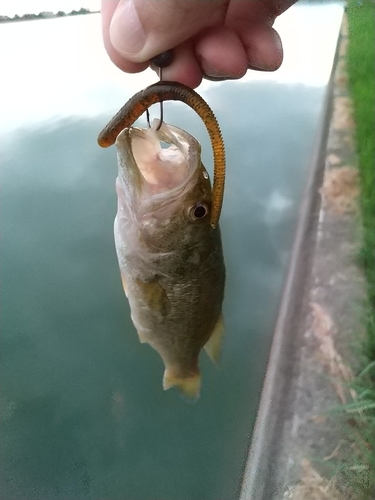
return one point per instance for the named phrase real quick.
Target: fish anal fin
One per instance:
(213, 344)
(189, 386)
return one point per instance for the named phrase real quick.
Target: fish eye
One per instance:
(198, 211)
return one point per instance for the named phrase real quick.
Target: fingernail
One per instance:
(218, 78)
(261, 67)
(126, 32)
(211, 73)
(266, 52)
(260, 64)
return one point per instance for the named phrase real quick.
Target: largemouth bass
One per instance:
(169, 250)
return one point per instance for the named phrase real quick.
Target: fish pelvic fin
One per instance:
(213, 344)
(189, 386)
(124, 284)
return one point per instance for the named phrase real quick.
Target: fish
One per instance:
(167, 236)
(170, 257)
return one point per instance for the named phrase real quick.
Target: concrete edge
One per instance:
(258, 469)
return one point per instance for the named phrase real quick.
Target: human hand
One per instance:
(215, 39)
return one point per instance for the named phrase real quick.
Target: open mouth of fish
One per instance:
(159, 161)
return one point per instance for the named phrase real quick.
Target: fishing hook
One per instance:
(161, 105)
(161, 102)
(160, 61)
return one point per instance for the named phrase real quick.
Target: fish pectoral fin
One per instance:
(213, 345)
(189, 386)
(154, 295)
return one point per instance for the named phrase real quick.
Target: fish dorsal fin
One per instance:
(213, 345)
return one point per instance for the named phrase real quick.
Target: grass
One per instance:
(361, 72)
(358, 469)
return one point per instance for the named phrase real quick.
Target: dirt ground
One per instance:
(330, 324)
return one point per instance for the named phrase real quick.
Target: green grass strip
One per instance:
(361, 71)
(358, 470)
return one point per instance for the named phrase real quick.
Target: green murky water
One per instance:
(83, 410)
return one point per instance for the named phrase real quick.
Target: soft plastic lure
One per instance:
(173, 91)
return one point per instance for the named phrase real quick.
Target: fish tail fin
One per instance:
(213, 344)
(189, 386)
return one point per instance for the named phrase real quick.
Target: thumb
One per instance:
(142, 29)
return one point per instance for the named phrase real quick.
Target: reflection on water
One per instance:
(83, 411)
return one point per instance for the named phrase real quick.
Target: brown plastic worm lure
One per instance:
(173, 91)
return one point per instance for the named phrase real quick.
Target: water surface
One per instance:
(83, 410)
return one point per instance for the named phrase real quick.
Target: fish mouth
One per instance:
(157, 161)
